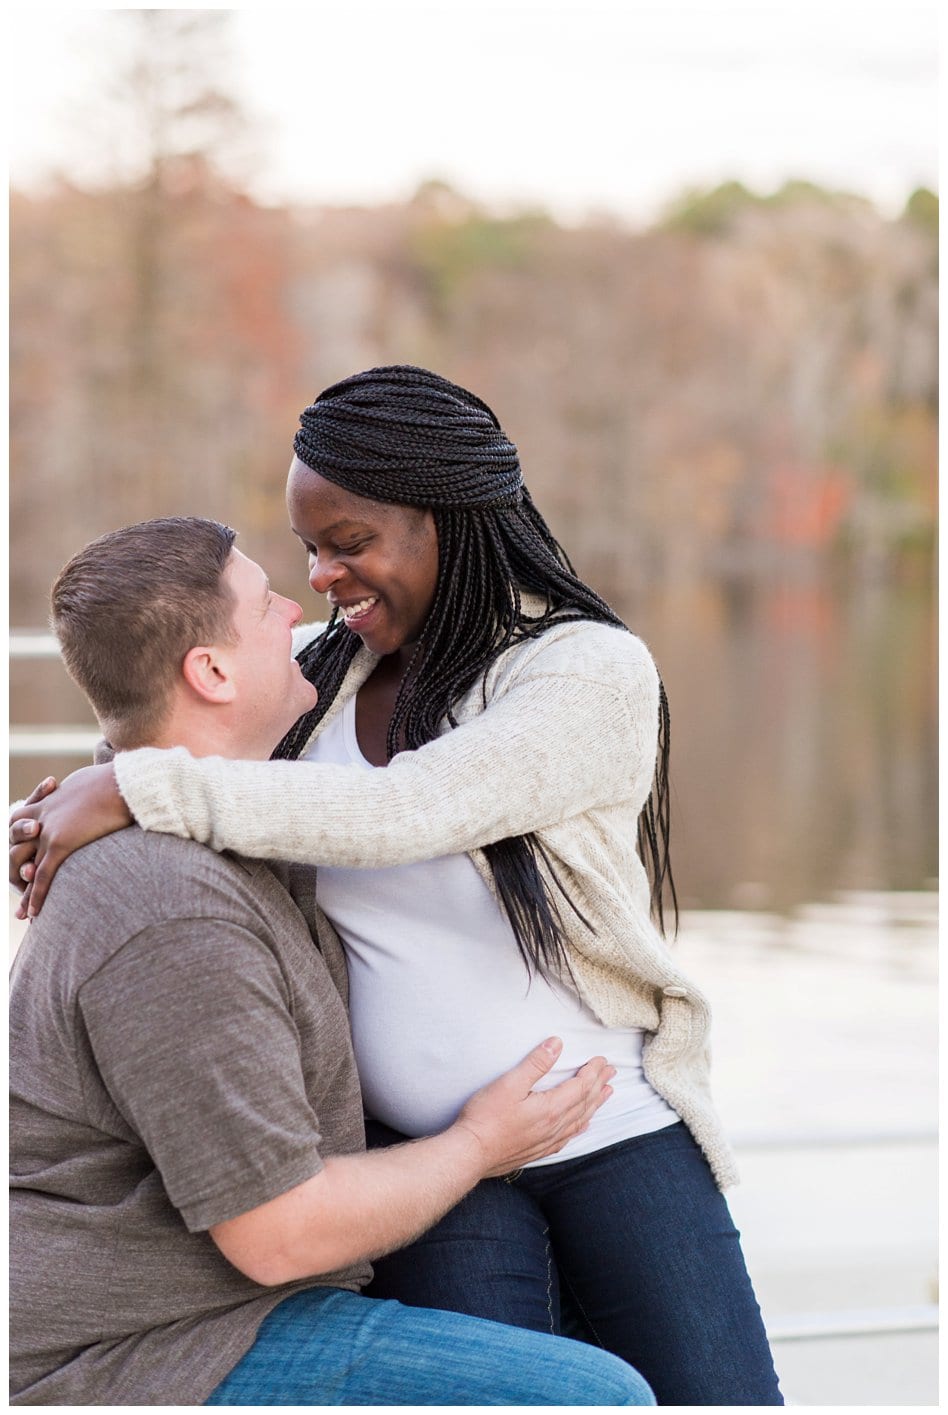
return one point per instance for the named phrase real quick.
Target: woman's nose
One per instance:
(323, 574)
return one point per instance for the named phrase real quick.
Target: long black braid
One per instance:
(405, 435)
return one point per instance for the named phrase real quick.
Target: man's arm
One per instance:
(361, 1206)
(191, 1028)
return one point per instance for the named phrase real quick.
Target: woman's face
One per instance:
(377, 562)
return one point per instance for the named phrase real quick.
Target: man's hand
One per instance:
(515, 1124)
(53, 823)
(361, 1206)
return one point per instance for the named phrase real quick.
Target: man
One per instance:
(193, 1210)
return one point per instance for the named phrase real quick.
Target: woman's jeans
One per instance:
(635, 1239)
(327, 1346)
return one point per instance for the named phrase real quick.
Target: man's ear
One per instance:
(206, 672)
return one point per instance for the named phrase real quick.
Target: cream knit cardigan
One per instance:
(565, 747)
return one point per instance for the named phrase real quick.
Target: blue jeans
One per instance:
(635, 1241)
(327, 1346)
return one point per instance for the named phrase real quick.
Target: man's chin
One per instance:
(300, 699)
(300, 704)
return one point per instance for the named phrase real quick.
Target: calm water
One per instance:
(803, 738)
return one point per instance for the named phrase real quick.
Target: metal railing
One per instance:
(33, 643)
(54, 741)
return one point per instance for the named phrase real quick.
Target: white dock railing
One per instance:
(33, 643)
(31, 741)
(53, 741)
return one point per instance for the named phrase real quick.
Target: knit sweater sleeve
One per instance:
(548, 748)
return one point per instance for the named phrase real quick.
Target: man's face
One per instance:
(271, 691)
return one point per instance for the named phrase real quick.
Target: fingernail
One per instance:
(553, 1044)
(48, 782)
(29, 828)
(25, 872)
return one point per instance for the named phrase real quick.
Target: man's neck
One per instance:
(203, 738)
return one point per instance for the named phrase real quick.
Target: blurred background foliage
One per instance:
(729, 418)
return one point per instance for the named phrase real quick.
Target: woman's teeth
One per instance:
(355, 611)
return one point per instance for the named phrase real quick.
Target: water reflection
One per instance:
(804, 739)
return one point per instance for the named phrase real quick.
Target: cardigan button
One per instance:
(675, 992)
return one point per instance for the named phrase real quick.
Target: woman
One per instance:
(485, 884)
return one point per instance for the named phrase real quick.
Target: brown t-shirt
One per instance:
(179, 1055)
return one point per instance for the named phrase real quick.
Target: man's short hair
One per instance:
(127, 609)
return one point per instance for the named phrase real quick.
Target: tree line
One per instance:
(746, 385)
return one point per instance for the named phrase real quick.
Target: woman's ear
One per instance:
(206, 672)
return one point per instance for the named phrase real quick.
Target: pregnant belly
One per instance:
(416, 1072)
(439, 999)
(421, 1055)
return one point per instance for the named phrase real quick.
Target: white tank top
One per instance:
(439, 998)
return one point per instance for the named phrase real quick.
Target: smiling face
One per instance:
(376, 562)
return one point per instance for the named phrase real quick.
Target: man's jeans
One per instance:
(331, 1347)
(636, 1240)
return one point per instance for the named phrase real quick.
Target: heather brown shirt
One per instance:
(179, 1055)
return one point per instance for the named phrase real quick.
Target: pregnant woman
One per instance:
(489, 744)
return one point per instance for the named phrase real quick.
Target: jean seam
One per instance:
(582, 1310)
(549, 1281)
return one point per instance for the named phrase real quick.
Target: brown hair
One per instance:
(127, 609)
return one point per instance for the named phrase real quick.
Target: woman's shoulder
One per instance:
(583, 648)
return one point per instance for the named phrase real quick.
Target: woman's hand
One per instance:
(54, 822)
(21, 856)
(515, 1124)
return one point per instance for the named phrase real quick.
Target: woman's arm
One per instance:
(550, 747)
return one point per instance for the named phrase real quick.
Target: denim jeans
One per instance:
(635, 1240)
(327, 1346)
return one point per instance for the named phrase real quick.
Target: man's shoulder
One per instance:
(132, 881)
(154, 871)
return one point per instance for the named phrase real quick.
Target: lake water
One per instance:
(804, 738)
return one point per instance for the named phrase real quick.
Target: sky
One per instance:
(588, 106)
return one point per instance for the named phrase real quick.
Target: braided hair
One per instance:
(407, 436)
